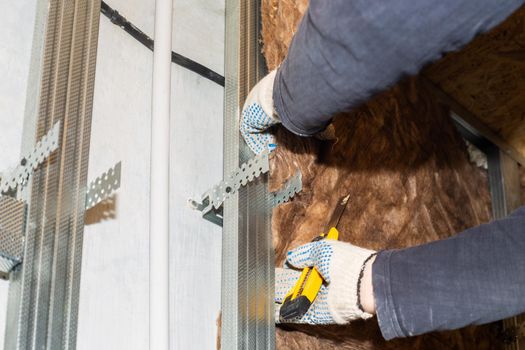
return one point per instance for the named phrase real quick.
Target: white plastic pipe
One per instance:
(159, 197)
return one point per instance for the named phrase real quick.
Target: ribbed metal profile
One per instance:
(44, 292)
(247, 253)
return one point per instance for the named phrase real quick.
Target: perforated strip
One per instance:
(212, 211)
(103, 186)
(19, 175)
(289, 190)
(246, 173)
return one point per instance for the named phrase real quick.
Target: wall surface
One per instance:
(17, 25)
(114, 285)
(196, 165)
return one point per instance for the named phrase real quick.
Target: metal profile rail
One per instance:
(44, 289)
(505, 191)
(503, 167)
(247, 253)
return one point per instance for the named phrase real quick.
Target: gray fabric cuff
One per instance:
(385, 307)
(288, 122)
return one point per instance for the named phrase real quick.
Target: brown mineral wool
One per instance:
(404, 166)
(409, 179)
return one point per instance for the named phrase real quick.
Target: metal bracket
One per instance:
(288, 191)
(103, 186)
(212, 200)
(20, 174)
(12, 224)
(13, 217)
(247, 172)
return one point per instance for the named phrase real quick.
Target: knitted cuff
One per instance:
(343, 297)
(264, 96)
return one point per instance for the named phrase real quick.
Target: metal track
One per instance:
(470, 123)
(247, 255)
(43, 296)
(505, 190)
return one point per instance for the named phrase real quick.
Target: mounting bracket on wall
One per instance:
(103, 186)
(13, 212)
(212, 200)
(290, 188)
(19, 175)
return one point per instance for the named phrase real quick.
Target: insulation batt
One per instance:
(409, 178)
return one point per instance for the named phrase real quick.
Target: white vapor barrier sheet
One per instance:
(17, 24)
(114, 287)
(114, 284)
(196, 165)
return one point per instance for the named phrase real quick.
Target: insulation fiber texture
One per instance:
(407, 172)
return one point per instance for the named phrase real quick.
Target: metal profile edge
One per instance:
(505, 195)
(248, 260)
(44, 290)
(471, 123)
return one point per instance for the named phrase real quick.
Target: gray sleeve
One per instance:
(475, 277)
(346, 51)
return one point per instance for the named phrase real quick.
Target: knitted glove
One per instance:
(258, 116)
(340, 264)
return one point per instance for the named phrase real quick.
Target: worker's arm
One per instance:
(346, 51)
(475, 277)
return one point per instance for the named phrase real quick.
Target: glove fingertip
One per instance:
(299, 262)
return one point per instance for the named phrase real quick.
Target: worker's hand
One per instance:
(340, 264)
(258, 116)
